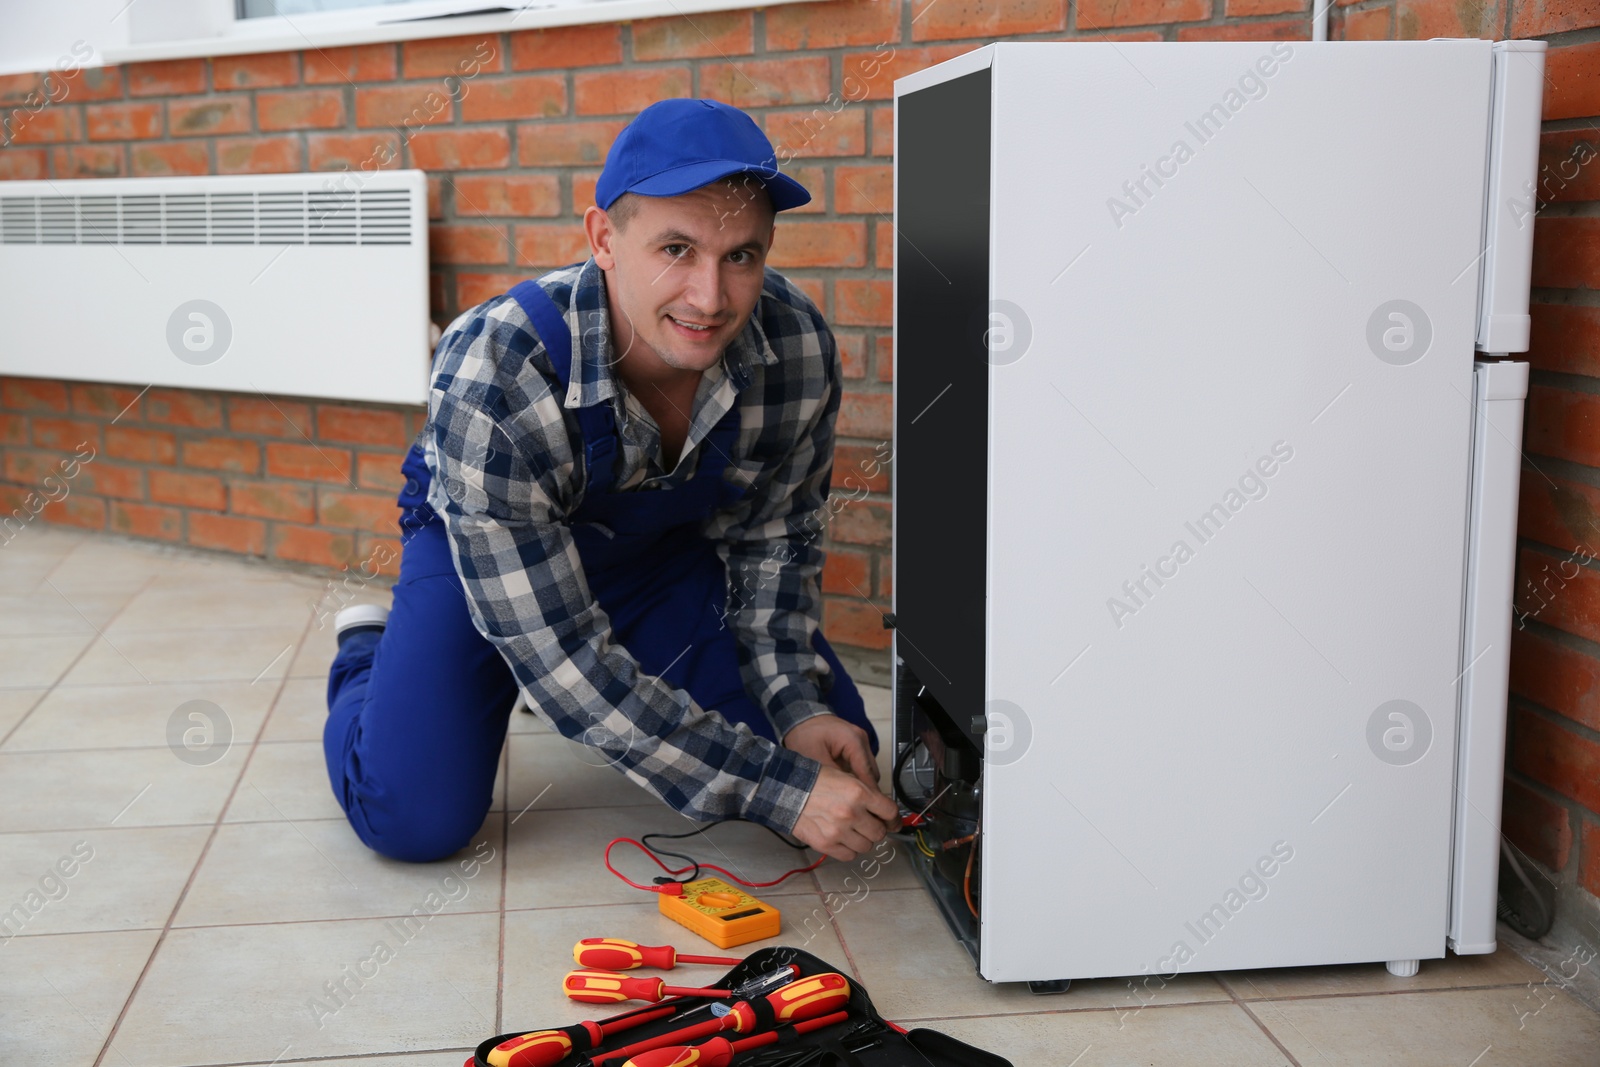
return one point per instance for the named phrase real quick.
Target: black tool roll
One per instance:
(865, 1039)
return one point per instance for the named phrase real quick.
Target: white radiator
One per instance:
(306, 284)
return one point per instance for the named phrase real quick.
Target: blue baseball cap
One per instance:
(675, 146)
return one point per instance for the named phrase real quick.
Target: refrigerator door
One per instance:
(1228, 486)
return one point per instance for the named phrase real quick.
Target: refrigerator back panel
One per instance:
(1233, 293)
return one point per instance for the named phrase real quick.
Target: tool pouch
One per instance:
(865, 1039)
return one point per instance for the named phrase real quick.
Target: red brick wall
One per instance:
(513, 129)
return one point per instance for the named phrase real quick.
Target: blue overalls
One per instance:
(418, 712)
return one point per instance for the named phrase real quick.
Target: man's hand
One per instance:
(844, 816)
(833, 742)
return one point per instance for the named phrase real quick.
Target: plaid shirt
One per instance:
(503, 444)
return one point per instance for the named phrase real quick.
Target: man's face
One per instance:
(686, 272)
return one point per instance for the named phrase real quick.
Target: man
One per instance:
(614, 508)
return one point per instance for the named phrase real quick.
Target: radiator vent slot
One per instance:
(287, 217)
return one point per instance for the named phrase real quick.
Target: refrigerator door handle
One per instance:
(1506, 266)
(1499, 388)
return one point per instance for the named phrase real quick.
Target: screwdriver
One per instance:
(806, 998)
(719, 1051)
(544, 1048)
(615, 954)
(608, 987)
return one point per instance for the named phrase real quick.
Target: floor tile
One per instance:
(1452, 972)
(319, 869)
(314, 655)
(59, 996)
(566, 774)
(145, 716)
(285, 780)
(300, 711)
(909, 960)
(123, 787)
(1195, 1035)
(581, 835)
(28, 661)
(15, 704)
(174, 602)
(171, 656)
(92, 880)
(47, 611)
(539, 954)
(1483, 1028)
(244, 994)
(887, 867)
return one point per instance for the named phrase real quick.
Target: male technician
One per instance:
(615, 508)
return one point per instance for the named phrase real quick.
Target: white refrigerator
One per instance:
(1206, 459)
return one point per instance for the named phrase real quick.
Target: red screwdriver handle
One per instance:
(608, 987)
(719, 1051)
(616, 954)
(804, 998)
(545, 1048)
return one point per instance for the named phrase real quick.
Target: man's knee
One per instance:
(421, 832)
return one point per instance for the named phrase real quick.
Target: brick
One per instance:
(885, 577)
(141, 446)
(1565, 338)
(357, 63)
(406, 107)
(884, 240)
(380, 553)
(832, 24)
(273, 70)
(1103, 14)
(869, 415)
(1283, 30)
(863, 190)
(819, 244)
(23, 164)
(269, 418)
(767, 82)
(861, 523)
(300, 109)
(1556, 756)
(883, 363)
(852, 354)
(1589, 873)
(815, 288)
(720, 33)
(566, 144)
(222, 454)
(362, 511)
(112, 480)
(146, 520)
(883, 131)
(526, 97)
(817, 132)
(1566, 170)
(316, 463)
(469, 244)
(27, 467)
(162, 160)
(847, 572)
(187, 490)
(524, 196)
(107, 401)
(13, 430)
(379, 471)
(936, 21)
(583, 183)
(248, 537)
(259, 155)
(52, 125)
(551, 245)
(1564, 424)
(16, 89)
(183, 407)
(854, 622)
(815, 181)
(1572, 81)
(871, 75)
(860, 466)
(1560, 513)
(478, 149)
(208, 116)
(435, 199)
(272, 500)
(463, 57)
(1369, 25)
(362, 426)
(1558, 593)
(863, 302)
(88, 161)
(122, 122)
(66, 435)
(308, 544)
(94, 83)
(1539, 827)
(33, 394)
(85, 512)
(1247, 8)
(1566, 253)
(1536, 18)
(473, 289)
(167, 77)
(1555, 676)
(565, 47)
(354, 152)
(627, 92)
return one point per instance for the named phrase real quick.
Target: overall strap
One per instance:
(597, 421)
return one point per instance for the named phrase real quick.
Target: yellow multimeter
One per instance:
(720, 913)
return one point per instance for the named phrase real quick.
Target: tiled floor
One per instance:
(214, 899)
